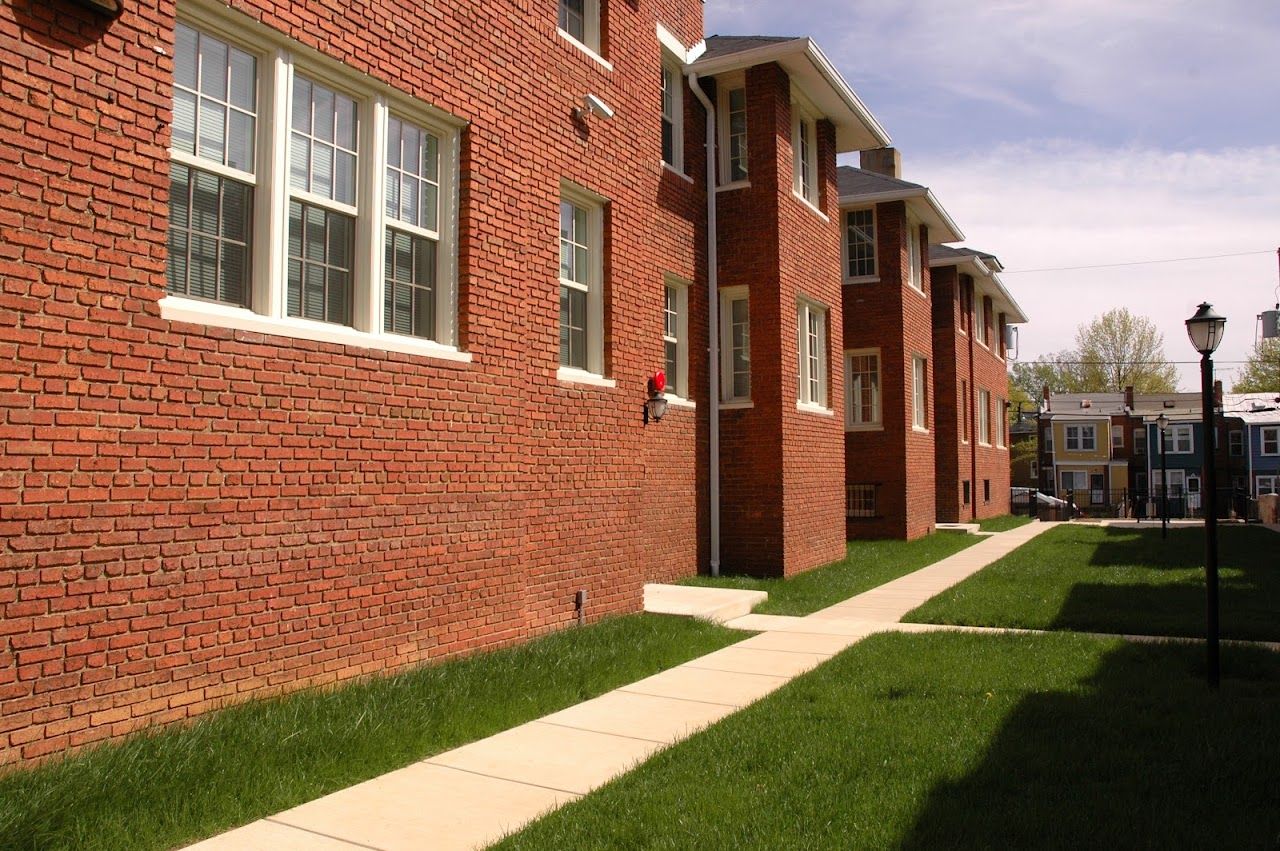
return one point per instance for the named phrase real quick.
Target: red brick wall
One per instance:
(190, 516)
(991, 462)
(895, 318)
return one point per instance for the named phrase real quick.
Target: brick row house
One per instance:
(327, 336)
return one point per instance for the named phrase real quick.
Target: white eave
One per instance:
(942, 228)
(810, 70)
(987, 282)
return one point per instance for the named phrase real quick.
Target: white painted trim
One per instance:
(862, 279)
(569, 375)
(736, 404)
(810, 408)
(737, 184)
(595, 57)
(680, 174)
(680, 402)
(812, 207)
(672, 44)
(728, 295)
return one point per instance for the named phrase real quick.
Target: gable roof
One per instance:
(810, 70)
(860, 187)
(983, 266)
(859, 181)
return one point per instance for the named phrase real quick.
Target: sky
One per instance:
(1068, 133)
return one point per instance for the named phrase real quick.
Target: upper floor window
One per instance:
(368, 228)
(1180, 441)
(1117, 438)
(860, 243)
(675, 336)
(1235, 442)
(914, 258)
(812, 328)
(1002, 423)
(980, 319)
(919, 392)
(1270, 441)
(862, 388)
(1139, 441)
(580, 20)
(672, 115)
(1081, 438)
(804, 147)
(964, 411)
(735, 345)
(581, 281)
(733, 134)
(984, 417)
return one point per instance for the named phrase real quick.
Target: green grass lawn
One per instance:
(1122, 580)
(168, 789)
(866, 565)
(1003, 523)
(965, 741)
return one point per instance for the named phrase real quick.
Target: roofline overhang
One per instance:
(980, 270)
(856, 129)
(942, 228)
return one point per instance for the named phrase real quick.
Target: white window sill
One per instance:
(813, 408)
(666, 166)
(920, 430)
(596, 57)
(984, 443)
(737, 405)
(863, 279)
(812, 206)
(849, 429)
(680, 402)
(178, 309)
(571, 375)
(918, 291)
(737, 184)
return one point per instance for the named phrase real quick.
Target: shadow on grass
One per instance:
(1143, 756)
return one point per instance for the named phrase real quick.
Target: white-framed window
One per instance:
(1268, 484)
(735, 345)
(1082, 438)
(1139, 441)
(915, 257)
(305, 201)
(1235, 442)
(1002, 422)
(672, 113)
(1048, 439)
(964, 411)
(860, 243)
(804, 148)
(1117, 438)
(919, 392)
(1180, 440)
(1075, 480)
(1177, 482)
(581, 280)
(984, 417)
(580, 21)
(862, 388)
(981, 333)
(1270, 440)
(811, 325)
(675, 335)
(1035, 468)
(732, 120)
(860, 500)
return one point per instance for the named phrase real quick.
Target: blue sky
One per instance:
(1079, 132)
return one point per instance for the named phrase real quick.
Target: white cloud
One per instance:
(1057, 204)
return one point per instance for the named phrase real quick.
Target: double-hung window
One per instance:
(984, 417)
(1268, 484)
(860, 500)
(1082, 438)
(304, 203)
(804, 147)
(675, 336)
(1270, 441)
(964, 411)
(862, 388)
(580, 20)
(672, 114)
(735, 345)
(733, 134)
(1235, 442)
(581, 281)
(1139, 441)
(812, 339)
(1117, 438)
(1002, 422)
(919, 392)
(860, 243)
(915, 258)
(980, 318)
(1180, 440)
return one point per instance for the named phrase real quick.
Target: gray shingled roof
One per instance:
(724, 45)
(946, 252)
(856, 181)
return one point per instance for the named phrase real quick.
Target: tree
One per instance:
(1114, 351)
(1261, 372)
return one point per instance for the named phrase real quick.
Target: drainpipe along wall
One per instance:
(713, 329)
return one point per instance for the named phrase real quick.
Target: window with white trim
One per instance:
(735, 345)
(1048, 439)
(581, 281)
(580, 20)
(1002, 422)
(1180, 440)
(675, 335)
(812, 342)
(1270, 441)
(804, 149)
(860, 500)
(1268, 484)
(915, 260)
(862, 388)
(984, 417)
(980, 318)
(860, 243)
(1082, 438)
(1139, 441)
(1117, 438)
(964, 411)
(1235, 442)
(919, 392)
(359, 181)
(733, 133)
(672, 113)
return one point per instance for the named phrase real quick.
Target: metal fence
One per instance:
(1174, 502)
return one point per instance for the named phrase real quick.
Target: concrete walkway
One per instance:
(473, 795)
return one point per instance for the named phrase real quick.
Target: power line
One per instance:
(1124, 363)
(1132, 263)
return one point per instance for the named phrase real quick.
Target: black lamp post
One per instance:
(1205, 330)
(1162, 423)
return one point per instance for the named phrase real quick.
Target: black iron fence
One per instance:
(1174, 502)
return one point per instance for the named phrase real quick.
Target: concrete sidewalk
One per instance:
(473, 795)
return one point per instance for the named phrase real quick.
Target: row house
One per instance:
(338, 339)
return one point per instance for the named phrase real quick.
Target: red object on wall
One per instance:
(659, 381)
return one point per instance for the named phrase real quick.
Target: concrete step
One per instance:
(711, 604)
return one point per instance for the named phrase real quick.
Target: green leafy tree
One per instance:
(1114, 351)
(1261, 372)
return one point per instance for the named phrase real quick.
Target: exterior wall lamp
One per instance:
(109, 8)
(1205, 330)
(655, 407)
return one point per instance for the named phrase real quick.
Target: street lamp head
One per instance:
(1162, 422)
(1205, 329)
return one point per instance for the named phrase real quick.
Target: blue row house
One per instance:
(1256, 441)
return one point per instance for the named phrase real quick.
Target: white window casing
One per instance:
(731, 121)
(811, 326)
(735, 345)
(804, 149)
(919, 393)
(1181, 440)
(1081, 438)
(579, 22)
(1001, 422)
(672, 113)
(860, 245)
(581, 282)
(1268, 485)
(984, 417)
(1270, 440)
(915, 258)
(675, 336)
(862, 409)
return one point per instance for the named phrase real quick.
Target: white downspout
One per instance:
(713, 329)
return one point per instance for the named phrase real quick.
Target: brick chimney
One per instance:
(1047, 397)
(1217, 394)
(886, 161)
(1128, 397)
